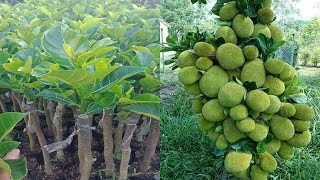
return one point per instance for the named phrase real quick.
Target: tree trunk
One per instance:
(131, 125)
(57, 121)
(47, 114)
(14, 103)
(51, 110)
(119, 131)
(108, 142)
(3, 105)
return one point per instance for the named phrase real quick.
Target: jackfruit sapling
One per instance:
(234, 74)
(266, 15)
(186, 59)
(281, 127)
(238, 112)
(237, 161)
(253, 71)
(259, 133)
(212, 80)
(213, 111)
(229, 11)
(275, 105)
(286, 151)
(231, 131)
(300, 140)
(250, 52)
(213, 135)
(288, 73)
(243, 26)
(258, 100)
(300, 125)
(273, 146)
(287, 110)
(267, 3)
(231, 94)
(204, 63)
(204, 49)
(275, 85)
(227, 34)
(205, 125)
(189, 75)
(274, 66)
(267, 162)
(192, 89)
(246, 125)
(197, 105)
(222, 142)
(261, 28)
(230, 56)
(276, 33)
(257, 173)
(303, 112)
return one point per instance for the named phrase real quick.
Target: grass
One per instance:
(187, 153)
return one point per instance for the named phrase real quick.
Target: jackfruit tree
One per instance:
(251, 103)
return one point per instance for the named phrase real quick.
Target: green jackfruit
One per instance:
(227, 34)
(213, 111)
(259, 133)
(267, 3)
(192, 89)
(273, 146)
(275, 85)
(281, 127)
(243, 26)
(266, 15)
(238, 112)
(230, 56)
(286, 151)
(276, 33)
(303, 112)
(287, 110)
(250, 52)
(189, 75)
(244, 175)
(246, 125)
(258, 100)
(288, 73)
(212, 80)
(274, 66)
(300, 125)
(186, 59)
(253, 71)
(234, 74)
(222, 142)
(197, 105)
(266, 116)
(231, 94)
(205, 125)
(231, 131)
(213, 135)
(237, 161)
(274, 106)
(229, 11)
(268, 162)
(300, 140)
(257, 173)
(254, 114)
(204, 63)
(204, 49)
(261, 28)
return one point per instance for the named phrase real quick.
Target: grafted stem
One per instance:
(108, 141)
(57, 121)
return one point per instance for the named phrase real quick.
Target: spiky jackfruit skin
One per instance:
(281, 127)
(259, 133)
(276, 33)
(227, 34)
(303, 112)
(205, 125)
(273, 146)
(266, 15)
(288, 73)
(275, 105)
(258, 100)
(234, 74)
(189, 75)
(267, 162)
(253, 71)
(300, 140)
(222, 142)
(246, 125)
(186, 59)
(204, 63)
(230, 56)
(192, 89)
(204, 49)
(212, 80)
(244, 175)
(243, 26)
(250, 52)
(300, 125)
(231, 94)
(213, 135)
(261, 28)
(286, 151)
(267, 3)
(257, 173)
(238, 112)
(197, 106)
(275, 85)
(229, 11)
(237, 161)
(213, 111)
(287, 110)
(231, 131)
(274, 66)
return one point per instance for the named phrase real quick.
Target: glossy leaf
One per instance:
(8, 121)
(7, 146)
(55, 96)
(148, 109)
(18, 167)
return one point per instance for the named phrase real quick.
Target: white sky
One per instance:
(308, 9)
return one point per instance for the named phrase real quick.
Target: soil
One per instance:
(67, 169)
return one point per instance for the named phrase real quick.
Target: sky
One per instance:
(308, 9)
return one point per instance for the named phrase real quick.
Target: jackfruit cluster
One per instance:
(230, 112)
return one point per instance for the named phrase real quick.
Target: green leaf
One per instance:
(141, 99)
(4, 166)
(261, 147)
(148, 109)
(216, 8)
(276, 46)
(299, 98)
(101, 102)
(45, 11)
(18, 168)
(14, 67)
(8, 121)
(4, 57)
(27, 36)
(55, 96)
(68, 49)
(7, 146)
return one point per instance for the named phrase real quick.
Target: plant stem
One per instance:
(47, 115)
(57, 121)
(3, 105)
(14, 103)
(119, 131)
(108, 141)
(51, 110)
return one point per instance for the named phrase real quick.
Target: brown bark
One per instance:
(143, 129)
(57, 121)
(51, 109)
(108, 142)
(40, 103)
(119, 131)
(3, 105)
(131, 125)
(14, 104)
(47, 115)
